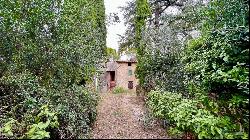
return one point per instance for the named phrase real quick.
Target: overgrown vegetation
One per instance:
(197, 85)
(49, 51)
(194, 64)
(197, 115)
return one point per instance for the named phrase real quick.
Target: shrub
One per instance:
(38, 128)
(46, 49)
(73, 109)
(191, 115)
(76, 109)
(117, 90)
(207, 83)
(218, 61)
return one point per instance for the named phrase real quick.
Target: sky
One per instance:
(111, 6)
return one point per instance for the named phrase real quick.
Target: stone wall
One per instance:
(103, 82)
(122, 76)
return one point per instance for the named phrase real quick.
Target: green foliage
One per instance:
(118, 90)
(47, 49)
(174, 132)
(192, 115)
(37, 129)
(142, 12)
(111, 53)
(7, 128)
(77, 110)
(75, 107)
(160, 61)
(127, 41)
(210, 73)
(218, 61)
(159, 69)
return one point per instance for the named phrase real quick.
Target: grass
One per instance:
(118, 90)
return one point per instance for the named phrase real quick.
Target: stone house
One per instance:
(120, 73)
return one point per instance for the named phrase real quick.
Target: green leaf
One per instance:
(218, 130)
(226, 58)
(31, 131)
(9, 133)
(214, 66)
(212, 130)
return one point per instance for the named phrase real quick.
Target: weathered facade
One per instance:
(119, 73)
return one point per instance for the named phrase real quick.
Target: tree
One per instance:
(46, 49)
(111, 53)
(218, 61)
(164, 42)
(127, 41)
(213, 70)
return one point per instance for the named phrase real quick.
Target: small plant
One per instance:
(39, 129)
(174, 132)
(118, 90)
(36, 130)
(6, 130)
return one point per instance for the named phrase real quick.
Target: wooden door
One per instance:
(130, 84)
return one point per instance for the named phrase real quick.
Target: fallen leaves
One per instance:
(119, 117)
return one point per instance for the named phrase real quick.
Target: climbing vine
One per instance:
(142, 12)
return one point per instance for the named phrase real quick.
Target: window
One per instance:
(130, 72)
(129, 63)
(130, 84)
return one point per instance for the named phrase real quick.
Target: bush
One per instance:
(118, 90)
(36, 129)
(218, 61)
(206, 80)
(47, 48)
(70, 113)
(191, 115)
(76, 109)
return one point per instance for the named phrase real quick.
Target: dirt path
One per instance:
(121, 116)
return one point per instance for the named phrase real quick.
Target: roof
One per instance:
(111, 66)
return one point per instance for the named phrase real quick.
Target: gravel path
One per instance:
(120, 116)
